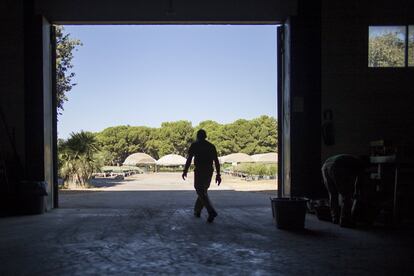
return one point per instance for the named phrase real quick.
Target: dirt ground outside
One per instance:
(173, 182)
(166, 190)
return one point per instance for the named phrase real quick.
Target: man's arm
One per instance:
(188, 162)
(217, 164)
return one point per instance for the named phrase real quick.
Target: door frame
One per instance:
(283, 106)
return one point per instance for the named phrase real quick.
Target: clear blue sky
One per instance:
(382, 30)
(146, 75)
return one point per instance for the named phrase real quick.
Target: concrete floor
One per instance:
(125, 233)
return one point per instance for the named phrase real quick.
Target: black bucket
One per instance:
(32, 197)
(289, 212)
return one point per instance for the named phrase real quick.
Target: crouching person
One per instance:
(342, 175)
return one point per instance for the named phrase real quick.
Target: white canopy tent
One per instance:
(270, 157)
(171, 160)
(236, 158)
(139, 158)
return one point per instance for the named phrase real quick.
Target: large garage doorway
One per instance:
(131, 12)
(94, 108)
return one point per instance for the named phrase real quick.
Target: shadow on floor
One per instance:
(161, 239)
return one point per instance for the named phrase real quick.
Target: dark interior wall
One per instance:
(305, 99)
(367, 103)
(165, 11)
(21, 97)
(34, 95)
(12, 100)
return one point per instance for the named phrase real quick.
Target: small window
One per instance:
(387, 46)
(411, 45)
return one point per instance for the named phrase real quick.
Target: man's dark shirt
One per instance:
(204, 154)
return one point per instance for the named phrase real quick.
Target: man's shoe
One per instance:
(197, 214)
(211, 217)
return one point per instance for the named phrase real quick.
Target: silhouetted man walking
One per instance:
(204, 154)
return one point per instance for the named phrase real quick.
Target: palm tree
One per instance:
(76, 156)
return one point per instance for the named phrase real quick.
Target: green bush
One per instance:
(77, 157)
(256, 169)
(170, 169)
(272, 170)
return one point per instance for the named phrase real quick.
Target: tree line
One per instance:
(254, 136)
